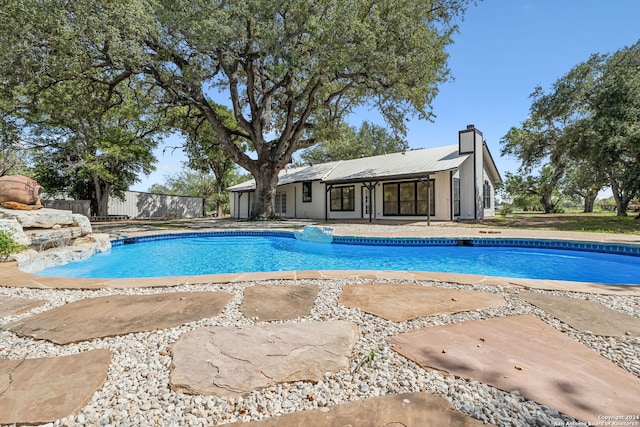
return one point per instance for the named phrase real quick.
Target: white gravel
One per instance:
(137, 389)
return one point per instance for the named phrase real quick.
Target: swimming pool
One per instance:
(232, 252)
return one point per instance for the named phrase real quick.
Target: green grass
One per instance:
(601, 222)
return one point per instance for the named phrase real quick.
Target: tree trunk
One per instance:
(590, 201)
(547, 203)
(622, 201)
(263, 206)
(102, 196)
(219, 203)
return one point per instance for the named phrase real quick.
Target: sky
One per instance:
(503, 50)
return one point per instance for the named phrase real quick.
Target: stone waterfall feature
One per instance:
(54, 237)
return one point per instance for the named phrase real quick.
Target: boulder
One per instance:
(13, 227)
(83, 223)
(42, 218)
(84, 247)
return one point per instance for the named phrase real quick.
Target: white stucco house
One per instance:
(444, 183)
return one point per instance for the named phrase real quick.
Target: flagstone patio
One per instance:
(512, 353)
(525, 354)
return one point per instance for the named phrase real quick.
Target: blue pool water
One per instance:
(232, 254)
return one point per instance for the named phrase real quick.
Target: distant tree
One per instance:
(590, 117)
(190, 183)
(583, 182)
(12, 159)
(615, 124)
(348, 143)
(534, 144)
(91, 144)
(197, 184)
(289, 68)
(542, 189)
(204, 151)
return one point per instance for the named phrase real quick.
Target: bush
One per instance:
(8, 245)
(506, 209)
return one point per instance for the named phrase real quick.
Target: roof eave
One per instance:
(413, 175)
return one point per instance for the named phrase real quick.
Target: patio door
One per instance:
(281, 204)
(366, 203)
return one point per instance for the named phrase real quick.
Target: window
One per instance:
(408, 198)
(343, 198)
(306, 191)
(281, 204)
(456, 197)
(487, 195)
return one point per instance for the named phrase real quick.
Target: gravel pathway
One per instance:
(137, 390)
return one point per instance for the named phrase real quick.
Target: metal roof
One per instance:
(288, 176)
(409, 164)
(398, 165)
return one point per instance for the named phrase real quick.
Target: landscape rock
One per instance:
(83, 223)
(273, 302)
(83, 248)
(120, 314)
(409, 409)
(400, 302)
(38, 391)
(524, 354)
(13, 227)
(42, 218)
(229, 362)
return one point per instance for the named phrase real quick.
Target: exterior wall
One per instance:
(240, 203)
(491, 210)
(320, 203)
(470, 141)
(148, 205)
(467, 190)
(315, 208)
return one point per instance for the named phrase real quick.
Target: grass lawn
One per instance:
(599, 222)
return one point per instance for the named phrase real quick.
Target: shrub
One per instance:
(506, 209)
(8, 245)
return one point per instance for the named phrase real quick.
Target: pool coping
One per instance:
(14, 277)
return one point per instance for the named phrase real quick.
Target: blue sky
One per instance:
(504, 49)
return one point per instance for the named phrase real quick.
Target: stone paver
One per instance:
(410, 409)
(400, 302)
(120, 314)
(585, 315)
(16, 305)
(265, 303)
(523, 353)
(228, 362)
(37, 391)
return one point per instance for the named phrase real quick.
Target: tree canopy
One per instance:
(289, 69)
(351, 143)
(585, 132)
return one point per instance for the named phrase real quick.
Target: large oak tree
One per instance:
(288, 68)
(590, 119)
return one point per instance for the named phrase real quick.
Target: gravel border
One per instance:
(137, 389)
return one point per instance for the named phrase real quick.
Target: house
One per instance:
(444, 183)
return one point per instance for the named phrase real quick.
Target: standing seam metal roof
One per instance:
(410, 163)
